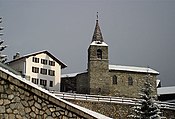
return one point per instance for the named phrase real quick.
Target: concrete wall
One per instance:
(22, 99)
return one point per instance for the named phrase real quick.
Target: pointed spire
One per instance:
(97, 36)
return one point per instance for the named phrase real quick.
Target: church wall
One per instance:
(123, 89)
(82, 85)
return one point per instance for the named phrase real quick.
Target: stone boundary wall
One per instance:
(114, 110)
(19, 100)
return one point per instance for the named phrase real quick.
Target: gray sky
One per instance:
(138, 32)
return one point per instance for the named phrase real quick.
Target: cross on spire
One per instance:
(97, 15)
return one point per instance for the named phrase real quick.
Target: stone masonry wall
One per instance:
(21, 101)
(82, 84)
(98, 70)
(114, 110)
(122, 88)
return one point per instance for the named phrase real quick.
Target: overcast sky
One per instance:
(138, 32)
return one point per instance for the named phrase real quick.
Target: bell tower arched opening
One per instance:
(99, 54)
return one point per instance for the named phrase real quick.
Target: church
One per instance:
(101, 78)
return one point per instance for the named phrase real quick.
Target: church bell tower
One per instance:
(98, 64)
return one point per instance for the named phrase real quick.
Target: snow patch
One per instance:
(71, 74)
(98, 43)
(166, 90)
(132, 69)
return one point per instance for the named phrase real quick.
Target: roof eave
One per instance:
(156, 73)
(36, 53)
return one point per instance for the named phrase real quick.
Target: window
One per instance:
(99, 53)
(44, 61)
(43, 71)
(114, 79)
(36, 60)
(51, 72)
(43, 82)
(35, 69)
(35, 80)
(51, 84)
(130, 81)
(51, 63)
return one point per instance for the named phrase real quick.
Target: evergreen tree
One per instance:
(3, 58)
(147, 109)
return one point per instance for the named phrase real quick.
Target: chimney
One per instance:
(16, 56)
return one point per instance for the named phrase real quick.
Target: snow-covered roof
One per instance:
(18, 77)
(166, 90)
(119, 68)
(98, 43)
(71, 74)
(133, 69)
(63, 65)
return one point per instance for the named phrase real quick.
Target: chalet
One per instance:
(41, 68)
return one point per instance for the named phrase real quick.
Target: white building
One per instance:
(41, 68)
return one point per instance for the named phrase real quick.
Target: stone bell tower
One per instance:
(98, 64)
